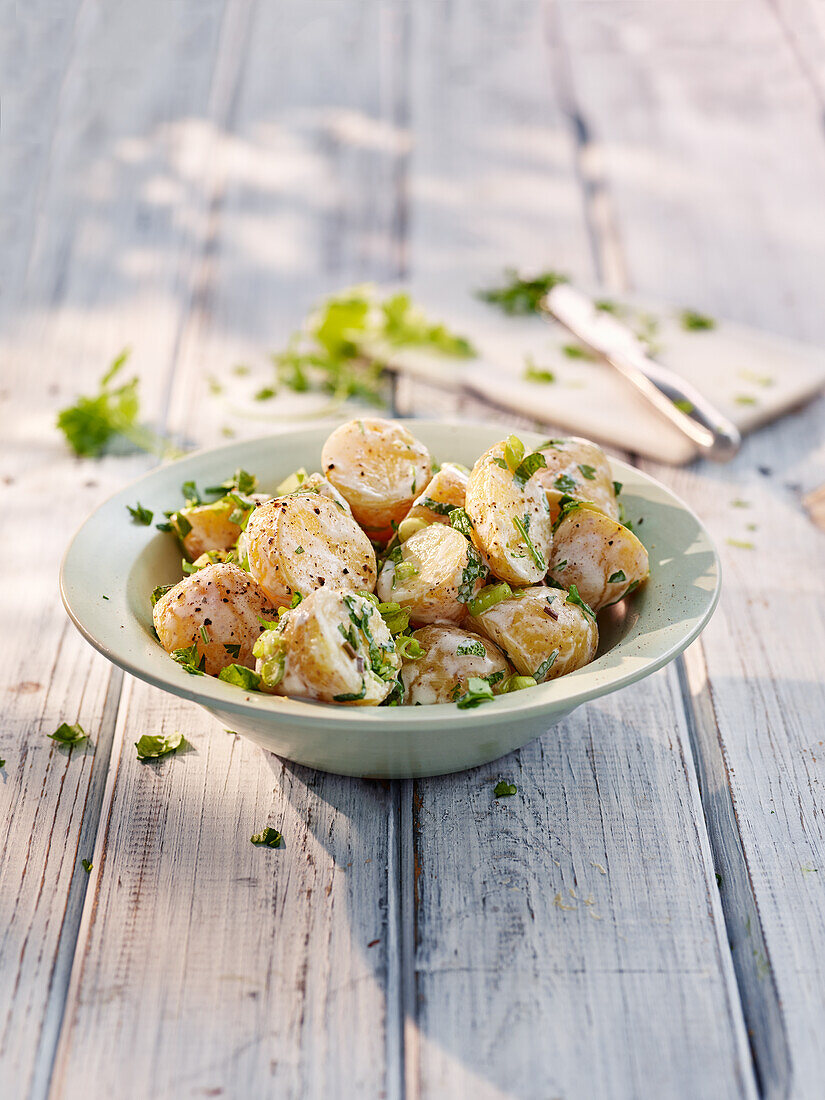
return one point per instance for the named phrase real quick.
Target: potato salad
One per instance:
(387, 578)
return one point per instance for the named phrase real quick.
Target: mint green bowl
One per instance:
(111, 556)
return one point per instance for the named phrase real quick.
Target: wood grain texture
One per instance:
(755, 686)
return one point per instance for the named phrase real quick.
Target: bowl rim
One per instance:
(554, 695)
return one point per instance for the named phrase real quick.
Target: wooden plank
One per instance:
(756, 706)
(251, 971)
(518, 986)
(62, 323)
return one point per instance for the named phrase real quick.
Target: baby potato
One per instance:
(216, 610)
(434, 574)
(510, 518)
(542, 633)
(379, 468)
(208, 527)
(445, 492)
(452, 656)
(577, 468)
(305, 541)
(603, 559)
(333, 647)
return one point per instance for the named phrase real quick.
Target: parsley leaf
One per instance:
(545, 666)
(474, 570)
(268, 838)
(188, 659)
(533, 373)
(527, 467)
(692, 321)
(588, 472)
(140, 515)
(69, 735)
(503, 789)
(153, 745)
(564, 483)
(160, 591)
(574, 598)
(521, 295)
(352, 697)
(536, 554)
(87, 865)
(617, 487)
(578, 351)
(471, 649)
(617, 577)
(437, 506)
(478, 692)
(241, 677)
(461, 521)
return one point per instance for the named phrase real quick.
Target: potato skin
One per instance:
(447, 488)
(211, 528)
(494, 502)
(224, 600)
(595, 548)
(379, 468)
(319, 662)
(434, 677)
(565, 459)
(305, 541)
(524, 630)
(439, 555)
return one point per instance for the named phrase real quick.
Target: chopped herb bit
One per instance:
(396, 617)
(2, 763)
(741, 544)
(87, 865)
(607, 305)
(240, 676)
(758, 379)
(93, 421)
(494, 677)
(559, 565)
(745, 399)
(190, 494)
(140, 515)
(551, 445)
(478, 691)
(352, 697)
(488, 597)
(437, 506)
(461, 521)
(473, 571)
(684, 406)
(617, 578)
(525, 469)
(564, 483)
(574, 598)
(215, 387)
(578, 351)
(532, 373)
(104, 597)
(69, 735)
(232, 649)
(153, 745)
(299, 549)
(268, 838)
(521, 526)
(503, 789)
(471, 649)
(160, 591)
(617, 488)
(545, 666)
(739, 503)
(265, 393)
(692, 321)
(204, 633)
(588, 472)
(241, 482)
(241, 370)
(188, 660)
(520, 295)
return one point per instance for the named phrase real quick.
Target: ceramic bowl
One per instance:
(113, 557)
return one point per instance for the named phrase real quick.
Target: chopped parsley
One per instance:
(521, 525)
(473, 571)
(69, 735)
(588, 472)
(190, 494)
(140, 515)
(527, 467)
(520, 295)
(240, 676)
(268, 838)
(437, 506)
(503, 789)
(532, 373)
(478, 691)
(684, 406)
(232, 649)
(87, 865)
(578, 351)
(564, 483)
(241, 482)
(617, 578)
(741, 544)
(188, 660)
(265, 393)
(692, 321)
(160, 591)
(461, 521)
(204, 633)
(153, 745)
(617, 487)
(352, 697)
(574, 598)
(470, 649)
(745, 399)
(299, 549)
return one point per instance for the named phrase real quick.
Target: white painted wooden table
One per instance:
(189, 177)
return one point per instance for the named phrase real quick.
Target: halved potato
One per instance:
(445, 492)
(305, 541)
(601, 557)
(380, 468)
(452, 656)
(543, 634)
(208, 527)
(577, 468)
(510, 517)
(218, 610)
(333, 647)
(434, 574)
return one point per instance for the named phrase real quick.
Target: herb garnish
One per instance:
(140, 515)
(461, 521)
(532, 373)
(240, 676)
(268, 838)
(188, 660)
(692, 321)
(69, 735)
(470, 649)
(503, 789)
(160, 591)
(352, 697)
(578, 351)
(527, 467)
(588, 472)
(617, 577)
(87, 865)
(488, 597)
(564, 483)
(437, 506)
(617, 487)
(153, 745)
(473, 571)
(520, 295)
(478, 692)
(521, 526)
(545, 666)
(574, 598)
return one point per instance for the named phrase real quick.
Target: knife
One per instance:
(694, 416)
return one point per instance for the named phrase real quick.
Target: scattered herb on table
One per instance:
(578, 351)
(503, 789)
(519, 295)
(69, 735)
(2, 763)
(745, 399)
(87, 865)
(140, 515)
(533, 373)
(153, 745)
(684, 406)
(692, 321)
(741, 544)
(268, 838)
